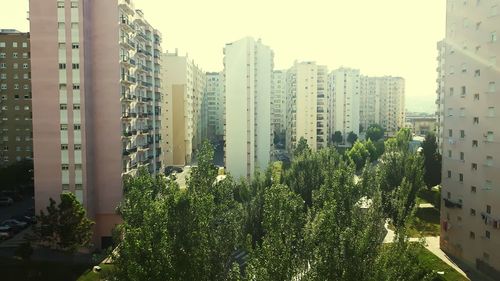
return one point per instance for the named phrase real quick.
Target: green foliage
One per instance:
(337, 137)
(374, 132)
(169, 232)
(302, 147)
(432, 161)
(65, 226)
(359, 154)
(352, 137)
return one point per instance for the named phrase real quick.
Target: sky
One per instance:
(379, 37)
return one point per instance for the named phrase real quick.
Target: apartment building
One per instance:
(15, 97)
(382, 101)
(278, 101)
(307, 105)
(97, 101)
(213, 107)
(440, 93)
(248, 71)
(470, 211)
(184, 83)
(344, 89)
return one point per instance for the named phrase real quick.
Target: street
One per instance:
(17, 209)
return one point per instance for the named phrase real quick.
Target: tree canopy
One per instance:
(432, 160)
(374, 132)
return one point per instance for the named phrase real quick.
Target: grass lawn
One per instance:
(428, 196)
(425, 223)
(18, 270)
(89, 275)
(431, 261)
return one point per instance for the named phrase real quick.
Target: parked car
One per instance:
(15, 224)
(16, 196)
(26, 219)
(5, 235)
(6, 232)
(6, 201)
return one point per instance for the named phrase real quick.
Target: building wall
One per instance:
(213, 107)
(307, 105)
(181, 153)
(369, 111)
(15, 97)
(278, 101)
(440, 92)
(470, 212)
(248, 69)
(344, 87)
(180, 70)
(95, 72)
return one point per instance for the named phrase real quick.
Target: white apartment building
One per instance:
(344, 88)
(248, 70)
(382, 102)
(469, 69)
(184, 85)
(278, 101)
(213, 107)
(440, 93)
(307, 105)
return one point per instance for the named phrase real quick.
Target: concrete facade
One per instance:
(307, 105)
(96, 105)
(182, 71)
(278, 101)
(248, 70)
(15, 97)
(470, 210)
(213, 107)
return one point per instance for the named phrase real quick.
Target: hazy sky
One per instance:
(380, 37)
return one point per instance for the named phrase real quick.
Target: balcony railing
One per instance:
(451, 204)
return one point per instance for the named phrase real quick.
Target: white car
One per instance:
(15, 222)
(6, 201)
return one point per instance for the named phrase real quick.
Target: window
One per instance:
(76, 127)
(464, 91)
(475, 120)
(488, 209)
(26, 107)
(462, 156)
(16, 86)
(491, 87)
(2, 55)
(461, 177)
(25, 45)
(75, 46)
(472, 235)
(493, 11)
(14, 55)
(65, 167)
(60, 4)
(450, 133)
(491, 111)
(64, 147)
(61, 25)
(462, 134)
(78, 166)
(3, 76)
(76, 106)
(16, 107)
(464, 68)
(78, 186)
(74, 4)
(449, 154)
(449, 174)
(76, 66)
(452, 70)
(488, 184)
(487, 234)
(3, 65)
(25, 76)
(63, 106)
(473, 190)
(78, 147)
(450, 111)
(493, 37)
(25, 65)
(451, 91)
(3, 86)
(2, 44)
(476, 96)
(14, 44)
(76, 86)
(489, 161)
(74, 25)
(477, 73)
(64, 127)
(475, 143)
(490, 136)
(474, 166)
(65, 186)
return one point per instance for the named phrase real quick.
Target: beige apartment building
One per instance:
(212, 127)
(184, 85)
(15, 97)
(278, 101)
(96, 103)
(440, 93)
(470, 210)
(307, 105)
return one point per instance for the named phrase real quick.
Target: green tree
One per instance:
(337, 137)
(359, 154)
(280, 255)
(374, 132)
(432, 161)
(65, 226)
(301, 147)
(352, 137)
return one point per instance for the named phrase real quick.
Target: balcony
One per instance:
(127, 6)
(451, 204)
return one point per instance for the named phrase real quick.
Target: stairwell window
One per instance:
(493, 37)
(491, 111)
(489, 161)
(476, 120)
(492, 87)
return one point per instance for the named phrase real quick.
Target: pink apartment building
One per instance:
(96, 102)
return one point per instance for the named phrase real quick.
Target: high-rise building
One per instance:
(15, 97)
(213, 107)
(248, 70)
(440, 92)
(97, 100)
(382, 102)
(470, 210)
(307, 102)
(278, 102)
(184, 83)
(344, 89)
